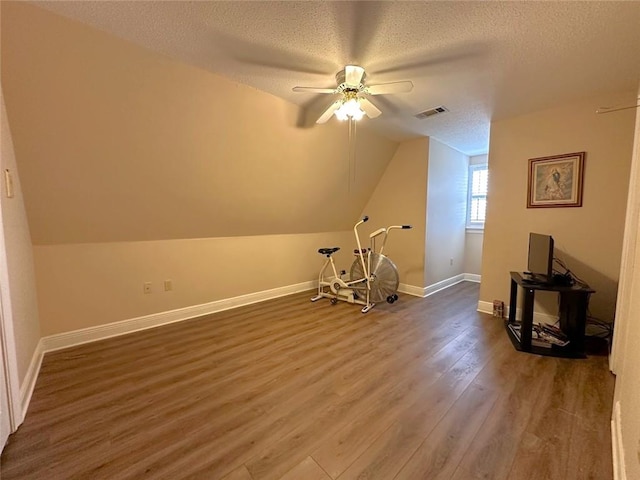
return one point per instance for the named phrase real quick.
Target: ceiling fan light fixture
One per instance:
(349, 109)
(354, 103)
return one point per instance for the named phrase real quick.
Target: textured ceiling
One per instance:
(482, 60)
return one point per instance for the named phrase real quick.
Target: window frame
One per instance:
(475, 225)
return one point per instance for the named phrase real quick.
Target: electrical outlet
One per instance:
(168, 285)
(146, 287)
(451, 261)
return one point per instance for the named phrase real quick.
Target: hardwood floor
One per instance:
(293, 390)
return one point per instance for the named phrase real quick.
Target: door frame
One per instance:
(5, 414)
(8, 363)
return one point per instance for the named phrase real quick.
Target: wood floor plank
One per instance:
(290, 389)
(308, 469)
(340, 449)
(591, 425)
(441, 451)
(389, 452)
(494, 448)
(550, 421)
(240, 473)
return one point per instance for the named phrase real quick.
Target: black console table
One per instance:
(572, 312)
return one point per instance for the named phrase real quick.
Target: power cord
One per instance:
(569, 274)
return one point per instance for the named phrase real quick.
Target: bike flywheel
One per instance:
(384, 275)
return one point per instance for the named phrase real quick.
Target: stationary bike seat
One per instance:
(328, 251)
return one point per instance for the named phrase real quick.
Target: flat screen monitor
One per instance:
(540, 261)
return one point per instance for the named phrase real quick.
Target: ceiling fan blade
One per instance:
(392, 87)
(314, 90)
(329, 111)
(369, 108)
(353, 75)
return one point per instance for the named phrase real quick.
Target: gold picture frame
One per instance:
(556, 181)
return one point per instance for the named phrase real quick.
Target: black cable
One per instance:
(570, 274)
(603, 329)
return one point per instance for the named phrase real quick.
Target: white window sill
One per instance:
(475, 229)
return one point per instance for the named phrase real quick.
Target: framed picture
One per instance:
(556, 181)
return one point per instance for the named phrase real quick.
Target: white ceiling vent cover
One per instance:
(431, 112)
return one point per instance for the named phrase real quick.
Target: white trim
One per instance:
(441, 285)
(487, 307)
(628, 259)
(78, 337)
(101, 332)
(29, 383)
(436, 287)
(473, 277)
(411, 290)
(619, 471)
(7, 336)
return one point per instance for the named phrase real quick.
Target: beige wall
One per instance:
(626, 354)
(87, 285)
(589, 238)
(137, 168)
(19, 301)
(427, 176)
(400, 198)
(117, 143)
(446, 213)
(473, 241)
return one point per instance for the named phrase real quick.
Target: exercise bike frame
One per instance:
(355, 291)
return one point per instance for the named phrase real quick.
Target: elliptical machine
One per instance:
(373, 276)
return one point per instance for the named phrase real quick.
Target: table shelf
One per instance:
(574, 301)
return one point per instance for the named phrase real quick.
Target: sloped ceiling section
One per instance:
(484, 61)
(117, 143)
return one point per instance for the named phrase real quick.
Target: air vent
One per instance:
(431, 112)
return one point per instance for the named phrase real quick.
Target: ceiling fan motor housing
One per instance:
(341, 81)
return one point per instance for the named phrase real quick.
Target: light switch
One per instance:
(8, 183)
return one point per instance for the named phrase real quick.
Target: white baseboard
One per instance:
(472, 277)
(619, 471)
(441, 285)
(29, 383)
(487, 307)
(101, 332)
(436, 287)
(411, 290)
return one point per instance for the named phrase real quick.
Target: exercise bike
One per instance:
(373, 276)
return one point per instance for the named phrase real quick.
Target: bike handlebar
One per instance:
(360, 222)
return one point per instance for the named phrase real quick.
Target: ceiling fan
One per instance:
(353, 103)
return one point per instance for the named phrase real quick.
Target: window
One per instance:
(477, 200)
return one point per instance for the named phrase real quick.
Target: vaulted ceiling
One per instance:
(481, 60)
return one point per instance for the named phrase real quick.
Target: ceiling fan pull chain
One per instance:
(350, 121)
(353, 147)
(351, 175)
